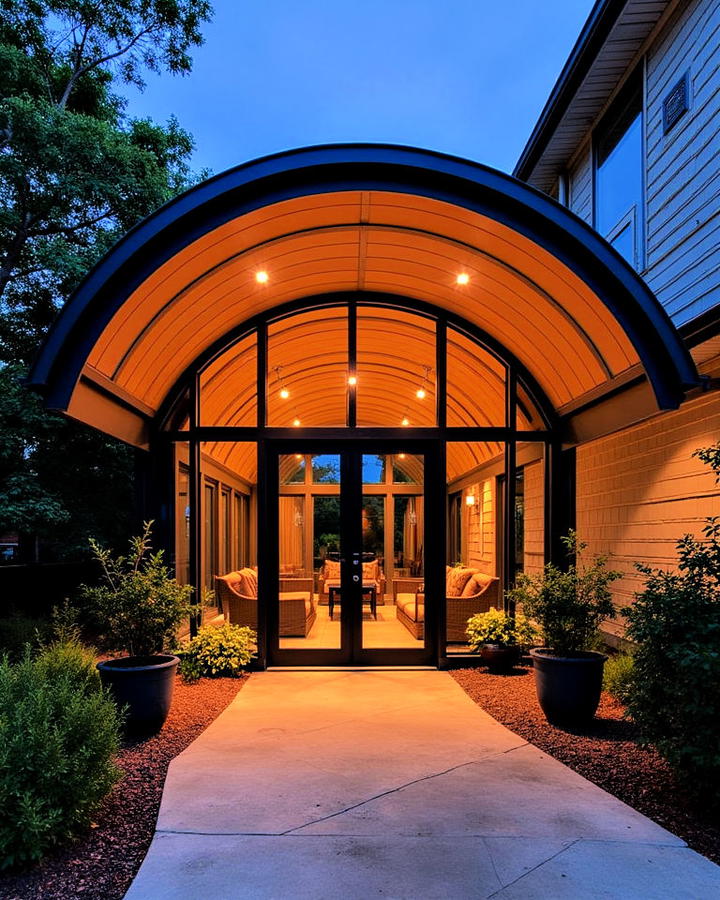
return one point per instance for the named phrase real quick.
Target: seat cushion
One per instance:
(406, 602)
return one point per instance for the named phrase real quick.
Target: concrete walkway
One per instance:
(394, 784)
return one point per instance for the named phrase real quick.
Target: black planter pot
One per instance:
(499, 658)
(568, 689)
(145, 685)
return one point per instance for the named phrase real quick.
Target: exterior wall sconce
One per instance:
(470, 499)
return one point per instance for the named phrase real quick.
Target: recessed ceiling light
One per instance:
(463, 278)
(401, 456)
(296, 423)
(420, 393)
(284, 393)
(262, 277)
(405, 421)
(298, 456)
(352, 380)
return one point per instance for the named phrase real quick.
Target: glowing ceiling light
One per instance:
(296, 423)
(298, 456)
(420, 393)
(401, 456)
(262, 277)
(405, 422)
(463, 278)
(284, 393)
(352, 380)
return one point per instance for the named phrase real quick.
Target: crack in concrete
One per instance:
(530, 871)
(395, 790)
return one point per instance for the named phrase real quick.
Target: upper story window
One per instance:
(618, 144)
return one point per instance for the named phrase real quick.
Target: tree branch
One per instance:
(93, 64)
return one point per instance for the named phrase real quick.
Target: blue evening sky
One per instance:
(468, 77)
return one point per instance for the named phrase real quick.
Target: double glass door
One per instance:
(354, 546)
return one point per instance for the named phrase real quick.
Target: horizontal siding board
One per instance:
(683, 167)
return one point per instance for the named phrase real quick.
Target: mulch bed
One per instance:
(605, 753)
(101, 864)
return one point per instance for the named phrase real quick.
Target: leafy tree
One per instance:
(75, 173)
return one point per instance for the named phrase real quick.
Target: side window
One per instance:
(618, 158)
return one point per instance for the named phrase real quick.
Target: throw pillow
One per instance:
(248, 583)
(456, 580)
(332, 570)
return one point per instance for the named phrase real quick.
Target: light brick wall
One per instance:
(640, 490)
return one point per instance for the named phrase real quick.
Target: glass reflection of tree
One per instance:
(372, 525)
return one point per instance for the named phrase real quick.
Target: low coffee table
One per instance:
(369, 595)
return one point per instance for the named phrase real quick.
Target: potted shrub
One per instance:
(569, 605)
(499, 638)
(138, 607)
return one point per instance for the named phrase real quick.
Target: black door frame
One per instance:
(351, 651)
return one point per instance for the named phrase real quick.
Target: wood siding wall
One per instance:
(640, 490)
(479, 527)
(534, 536)
(682, 203)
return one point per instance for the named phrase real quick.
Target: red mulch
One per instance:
(605, 753)
(101, 864)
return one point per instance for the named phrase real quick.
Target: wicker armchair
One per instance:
(410, 605)
(297, 606)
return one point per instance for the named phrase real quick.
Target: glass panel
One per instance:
(293, 469)
(395, 368)
(326, 468)
(309, 558)
(475, 384)
(242, 528)
(393, 599)
(373, 469)
(210, 546)
(619, 178)
(226, 543)
(528, 416)
(472, 580)
(408, 536)
(530, 508)
(182, 514)
(228, 538)
(227, 386)
(407, 469)
(308, 369)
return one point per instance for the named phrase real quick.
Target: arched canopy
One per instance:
(357, 218)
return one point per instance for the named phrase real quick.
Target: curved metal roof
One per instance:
(368, 218)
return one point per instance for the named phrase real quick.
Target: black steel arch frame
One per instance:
(315, 170)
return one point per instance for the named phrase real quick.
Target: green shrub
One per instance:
(59, 733)
(675, 697)
(218, 651)
(496, 627)
(568, 604)
(140, 605)
(17, 631)
(618, 676)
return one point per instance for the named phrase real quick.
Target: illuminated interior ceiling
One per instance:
(367, 241)
(371, 221)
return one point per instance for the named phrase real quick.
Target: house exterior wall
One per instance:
(534, 534)
(640, 490)
(682, 183)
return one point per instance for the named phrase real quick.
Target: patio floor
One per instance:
(394, 784)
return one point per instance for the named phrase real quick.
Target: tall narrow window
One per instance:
(619, 174)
